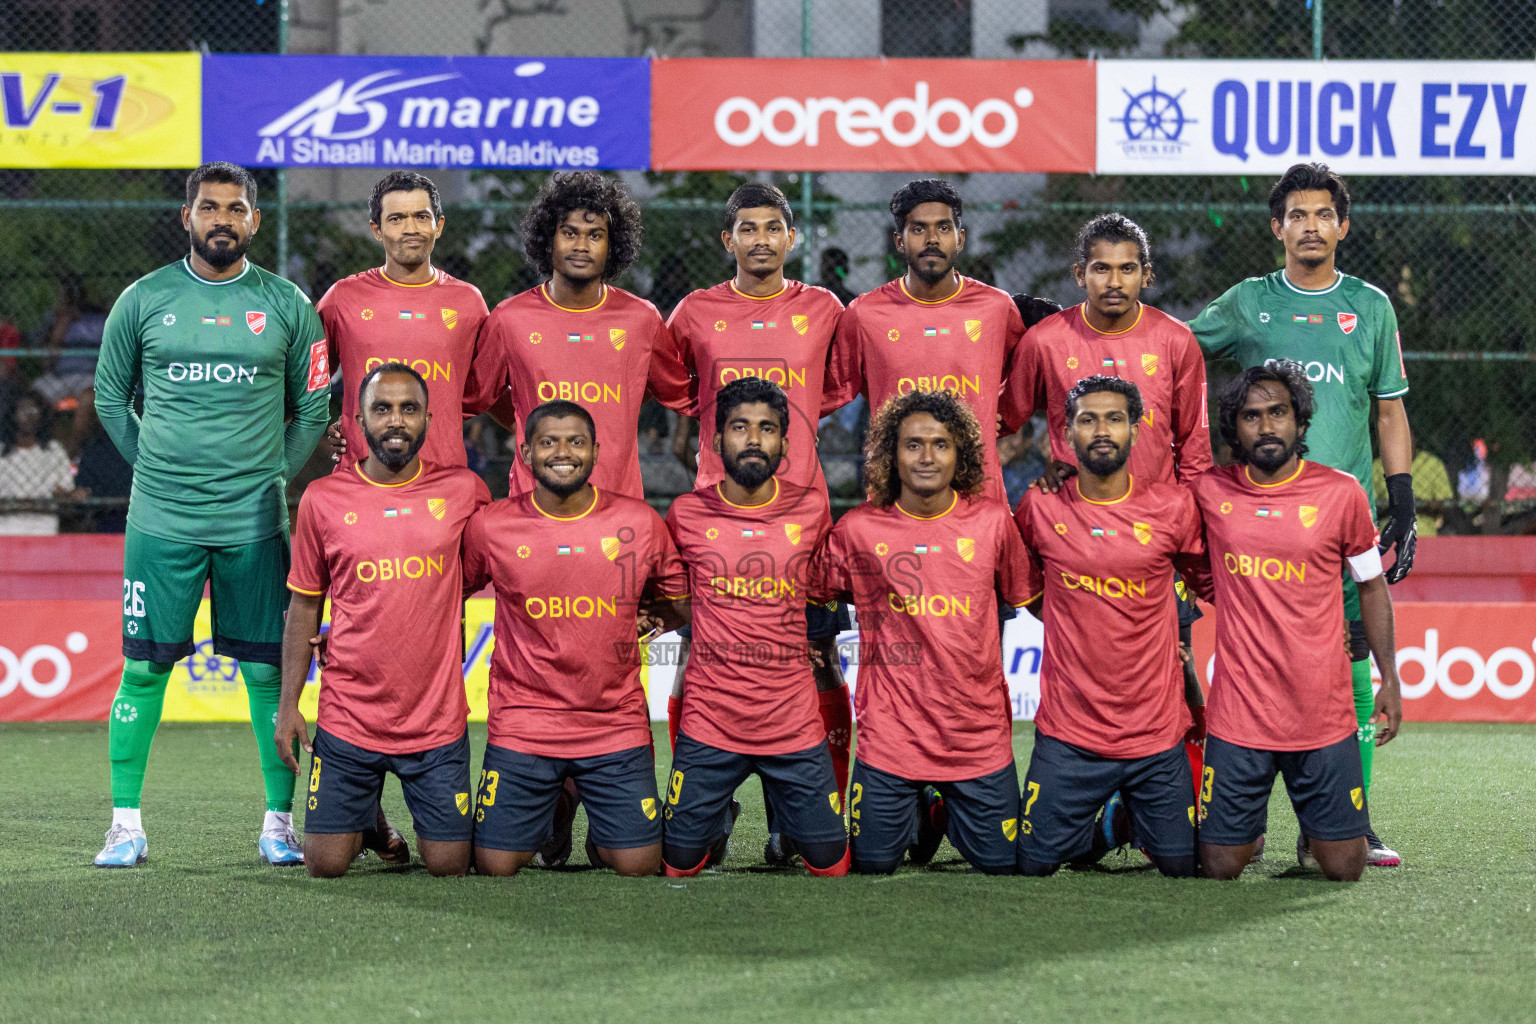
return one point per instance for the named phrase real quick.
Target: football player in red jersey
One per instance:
(751, 698)
(1112, 711)
(382, 538)
(931, 329)
(1281, 530)
(577, 338)
(759, 324)
(925, 559)
(574, 567)
(407, 311)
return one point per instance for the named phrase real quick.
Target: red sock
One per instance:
(1196, 754)
(674, 716)
(837, 716)
(837, 870)
(671, 872)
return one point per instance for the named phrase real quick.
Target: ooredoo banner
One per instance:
(872, 115)
(1361, 117)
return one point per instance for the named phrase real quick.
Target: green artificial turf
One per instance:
(203, 932)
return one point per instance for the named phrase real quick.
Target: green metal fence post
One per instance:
(807, 185)
(1317, 29)
(282, 172)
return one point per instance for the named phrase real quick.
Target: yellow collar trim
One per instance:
(1301, 464)
(750, 508)
(402, 284)
(758, 298)
(1128, 492)
(952, 503)
(358, 466)
(1141, 308)
(544, 291)
(565, 519)
(902, 284)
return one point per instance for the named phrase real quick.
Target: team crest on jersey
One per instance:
(437, 506)
(1010, 829)
(1308, 515)
(1357, 798)
(1347, 322)
(616, 338)
(800, 323)
(648, 808)
(973, 329)
(1148, 363)
(1071, 362)
(366, 314)
(610, 548)
(893, 335)
(966, 548)
(836, 800)
(257, 322)
(1191, 815)
(461, 801)
(1143, 532)
(792, 531)
(450, 317)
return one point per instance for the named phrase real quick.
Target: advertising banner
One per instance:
(100, 109)
(61, 660)
(554, 113)
(1360, 117)
(872, 115)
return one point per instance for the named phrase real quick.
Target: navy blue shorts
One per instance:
(801, 787)
(1326, 786)
(1066, 785)
(515, 807)
(1189, 612)
(983, 815)
(345, 782)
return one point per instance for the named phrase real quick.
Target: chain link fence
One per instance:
(1447, 250)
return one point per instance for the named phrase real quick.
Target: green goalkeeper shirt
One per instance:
(236, 394)
(1345, 336)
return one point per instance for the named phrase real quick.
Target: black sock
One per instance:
(1036, 868)
(1175, 867)
(875, 867)
(684, 858)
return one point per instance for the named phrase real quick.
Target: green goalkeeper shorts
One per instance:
(163, 586)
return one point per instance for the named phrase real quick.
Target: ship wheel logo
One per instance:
(1152, 120)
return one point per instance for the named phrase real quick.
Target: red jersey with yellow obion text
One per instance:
(1277, 552)
(1110, 679)
(388, 557)
(748, 685)
(930, 697)
(565, 672)
(1157, 353)
(603, 358)
(724, 334)
(889, 343)
(433, 328)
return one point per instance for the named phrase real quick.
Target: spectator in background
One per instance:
(75, 324)
(10, 373)
(1431, 489)
(103, 472)
(1020, 457)
(33, 466)
(834, 274)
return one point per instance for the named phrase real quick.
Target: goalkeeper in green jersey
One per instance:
(232, 363)
(1344, 332)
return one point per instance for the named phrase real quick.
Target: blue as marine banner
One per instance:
(323, 111)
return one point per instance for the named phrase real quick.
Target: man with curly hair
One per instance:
(1112, 701)
(1281, 530)
(924, 560)
(576, 337)
(932, 329)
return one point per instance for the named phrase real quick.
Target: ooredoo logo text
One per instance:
(22, 670)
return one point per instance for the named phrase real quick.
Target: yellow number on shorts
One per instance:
(488, 782)
(675, 788)
(1207, 780)
(1034, 794)
(314, 775)
(854, 796)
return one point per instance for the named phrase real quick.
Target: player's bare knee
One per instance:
(445, 859)
(326, 866)
(501, 863)
(640, 862)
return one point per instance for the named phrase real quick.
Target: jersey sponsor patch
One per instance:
(256, 321)
(319, 367)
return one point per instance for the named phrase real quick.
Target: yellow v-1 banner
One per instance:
(101, 109)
